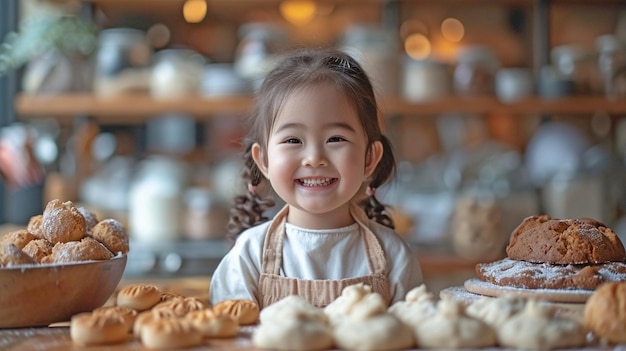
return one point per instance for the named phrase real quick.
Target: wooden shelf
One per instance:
(131, 109)
(127, 109)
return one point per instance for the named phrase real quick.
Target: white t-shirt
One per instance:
(314, 254)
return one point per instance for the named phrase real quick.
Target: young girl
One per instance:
(315, 137)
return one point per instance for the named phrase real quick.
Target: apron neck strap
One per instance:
(273, 244)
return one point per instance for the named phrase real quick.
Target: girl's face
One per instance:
(317, 157)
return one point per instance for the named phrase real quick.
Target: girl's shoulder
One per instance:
(253, 235)
(389, 238)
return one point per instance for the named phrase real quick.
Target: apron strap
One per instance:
(272, 256)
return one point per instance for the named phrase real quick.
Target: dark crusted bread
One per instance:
(542, 239)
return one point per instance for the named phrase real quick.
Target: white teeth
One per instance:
(316, 182)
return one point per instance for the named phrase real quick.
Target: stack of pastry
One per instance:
(558, 254)
(161, 320)
(63, 233)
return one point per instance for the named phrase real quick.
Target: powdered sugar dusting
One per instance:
(504, 271)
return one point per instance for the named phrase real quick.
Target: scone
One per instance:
(38, 249)
(605, 312)
(86, 249)
(11, 255)
(90, 219)
(19, 238)
(112, 234)
(62, 222)
(34, 226)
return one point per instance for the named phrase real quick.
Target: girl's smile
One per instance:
(316, 182)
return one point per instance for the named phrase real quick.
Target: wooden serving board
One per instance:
(480, 287)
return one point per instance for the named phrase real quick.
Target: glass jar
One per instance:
(474, 74)
(156, 210)
(376, 50)
(611, 65)
(258, 49)
(123, 61)
(576, 65)
(176, 73)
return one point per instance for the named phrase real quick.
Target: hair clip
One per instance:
(341, 63)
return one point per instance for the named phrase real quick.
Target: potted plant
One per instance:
(55, 47)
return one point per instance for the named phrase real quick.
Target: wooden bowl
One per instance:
(39, 295)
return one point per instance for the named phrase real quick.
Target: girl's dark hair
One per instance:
(308, 67)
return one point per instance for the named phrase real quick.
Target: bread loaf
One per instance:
(542, 239)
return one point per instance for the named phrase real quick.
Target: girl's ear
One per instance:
(372, 158)
(259, 158)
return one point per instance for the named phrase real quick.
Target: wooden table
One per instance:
(58, 339)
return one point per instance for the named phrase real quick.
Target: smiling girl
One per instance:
(315, 137)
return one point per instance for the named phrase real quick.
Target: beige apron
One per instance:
(274, 287)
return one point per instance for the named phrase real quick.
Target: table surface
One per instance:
(58, 339)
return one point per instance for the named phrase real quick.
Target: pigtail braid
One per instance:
(247, 210)
(384, 171)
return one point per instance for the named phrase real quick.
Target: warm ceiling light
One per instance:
(452, 29)
(417, 46)
(298, 11)
(194, 11)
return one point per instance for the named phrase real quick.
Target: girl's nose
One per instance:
(314, 157)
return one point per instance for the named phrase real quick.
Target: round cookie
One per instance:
(140, 297)
(179, 307)
(38, 249)
(147, 316)
(213, 325)
(245, 312)
(169, 333)
(451, 327)
(605, 312)
(168, 296)
(75, 251)
(19, 238)
(538, 328)
(127, 314)
(542, 239)
(112, 234)
(11, 255)
(62, 222)
(96, 329)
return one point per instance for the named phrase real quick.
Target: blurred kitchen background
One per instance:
(497, 109)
